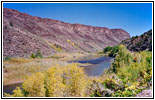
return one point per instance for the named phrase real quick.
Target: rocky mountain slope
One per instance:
(139, 43)
(24, 34)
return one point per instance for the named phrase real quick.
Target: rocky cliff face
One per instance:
(24, 34)
(140, 43)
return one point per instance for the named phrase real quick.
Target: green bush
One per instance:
(7, 58)
(33, 55)
(37, 55)
(112, 51)
(132, 68)
(123, 58)
(107, 49)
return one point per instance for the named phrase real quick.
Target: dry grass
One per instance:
(15, 71)
(71, 56)
(17, 60)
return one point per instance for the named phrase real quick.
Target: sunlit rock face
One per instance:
(24, 34)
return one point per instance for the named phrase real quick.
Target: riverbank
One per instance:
(129, 75)
(16, 70)
(93, 66)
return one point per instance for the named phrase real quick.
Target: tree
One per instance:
(33, 56)
(38, 54)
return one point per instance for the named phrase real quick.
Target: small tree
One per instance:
(38, 54)
(33, 56)
(7, 58)
(107, 49)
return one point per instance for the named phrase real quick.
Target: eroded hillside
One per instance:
(24, 34)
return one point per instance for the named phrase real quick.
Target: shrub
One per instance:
(7, 58)
(129, 91)
(76, 81)
(112, 51)
(34, 86)
(38, 54)
(69, 81)
(18, 92)
(131, 68)
(97, 89)
(107, 49)
(111, 84)
(123, 58)
(33, 55)
(56, 47)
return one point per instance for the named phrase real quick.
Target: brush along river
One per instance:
(97, 67)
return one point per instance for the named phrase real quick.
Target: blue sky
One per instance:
(135, 18)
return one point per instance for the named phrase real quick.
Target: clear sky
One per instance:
(135, 18)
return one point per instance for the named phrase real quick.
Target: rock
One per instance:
(145, 93)
(24, 34)
(139, 43)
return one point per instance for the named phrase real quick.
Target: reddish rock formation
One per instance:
(24, 34)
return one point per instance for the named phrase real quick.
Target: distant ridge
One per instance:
(24, 34)
(140, 43)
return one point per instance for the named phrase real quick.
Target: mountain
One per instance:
(139, 43)
(24, 34)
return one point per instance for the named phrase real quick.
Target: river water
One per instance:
(96, 69)
(98, 65)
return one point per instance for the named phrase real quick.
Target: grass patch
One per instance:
(17, 60)
(13, 70)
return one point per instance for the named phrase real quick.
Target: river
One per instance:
(97, 67)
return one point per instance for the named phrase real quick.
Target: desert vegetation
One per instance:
(129, 74)
(37, 55)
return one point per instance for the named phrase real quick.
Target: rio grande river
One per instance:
(98, 65)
